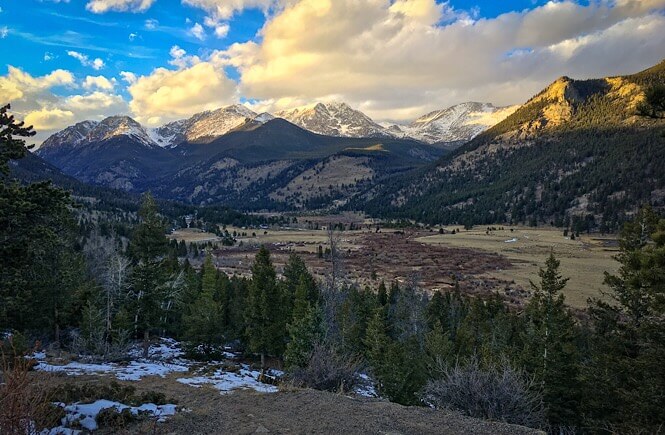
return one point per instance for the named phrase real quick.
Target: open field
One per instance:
(583, 260)
(190, 235)
(500, 260)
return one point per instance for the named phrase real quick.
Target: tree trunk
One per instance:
(146, 343)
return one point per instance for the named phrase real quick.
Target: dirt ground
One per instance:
(295, 411)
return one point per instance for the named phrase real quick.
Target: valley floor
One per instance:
(504, 259)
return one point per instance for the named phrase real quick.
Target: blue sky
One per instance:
(159, 60)
(39, 28)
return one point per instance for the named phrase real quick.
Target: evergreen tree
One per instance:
(625, 376)
(305, 328)
(266, 326)
(148, 248)
(40, 269)
(204, 323)
(551, 352)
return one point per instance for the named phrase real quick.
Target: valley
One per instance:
(482, 262)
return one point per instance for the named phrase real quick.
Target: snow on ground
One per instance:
(513, 240)
(133, 371)
(167, 357)
(227, 381)
(365, 387)
(84, 415)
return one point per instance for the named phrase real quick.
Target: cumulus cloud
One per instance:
(18, 84)
(198, 32)
(98, 82)
(171, 94)
(48, 119)
(102, 6)
(128, 76)
(398, 59)
(225, 9)
(36, 99)
(95, 64)
(4, 31)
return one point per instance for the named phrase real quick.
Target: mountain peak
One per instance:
(334, 119)
(460, 122)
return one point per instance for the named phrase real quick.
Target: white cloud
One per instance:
(172, 94)
(34, 99)
(225, 9)
(151, 24)
(4, 31)
(127, 76)
(221, 30)
(95, 64)
(132, 36)
(102, 6)
(48, 56)
(99, 82)
(17, 84)
(398, 59)
(198, 32)
(48, 119)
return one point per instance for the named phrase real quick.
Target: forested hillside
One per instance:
(580, 153)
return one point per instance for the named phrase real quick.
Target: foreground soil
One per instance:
(310, 412)
(290, 411)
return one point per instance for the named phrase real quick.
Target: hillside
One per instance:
(575, 154)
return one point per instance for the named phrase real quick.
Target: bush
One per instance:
(24, 405)
(327, 370)
(113, 418)
(497, 393)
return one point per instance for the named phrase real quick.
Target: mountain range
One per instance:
(304, 157)
(578, 153)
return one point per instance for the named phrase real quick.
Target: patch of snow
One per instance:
(366, 386)
(225, 381)
(163, 358)
(85, 414)
(513, 240)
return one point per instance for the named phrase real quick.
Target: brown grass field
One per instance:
(584, 260)
(482, 262)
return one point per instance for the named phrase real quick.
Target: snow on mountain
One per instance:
(201, 126)
(93, 131)
(457, 123)
(333, 119)
(461, 122)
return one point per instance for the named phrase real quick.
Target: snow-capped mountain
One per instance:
(93, 131)
(461, 122)
(333, 119)
(205, 125)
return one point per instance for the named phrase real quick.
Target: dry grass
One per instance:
(193, 235)
(583, 260)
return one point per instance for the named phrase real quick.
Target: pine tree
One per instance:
(40, 269)
(625, 375)
(305, 328)
(148, 248)
(204, 324)
(266, 326)
(551, 352)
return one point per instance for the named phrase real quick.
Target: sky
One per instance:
(65, 61)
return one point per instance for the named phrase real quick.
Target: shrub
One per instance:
(327, 370)
(496, 393)
(24, 405)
